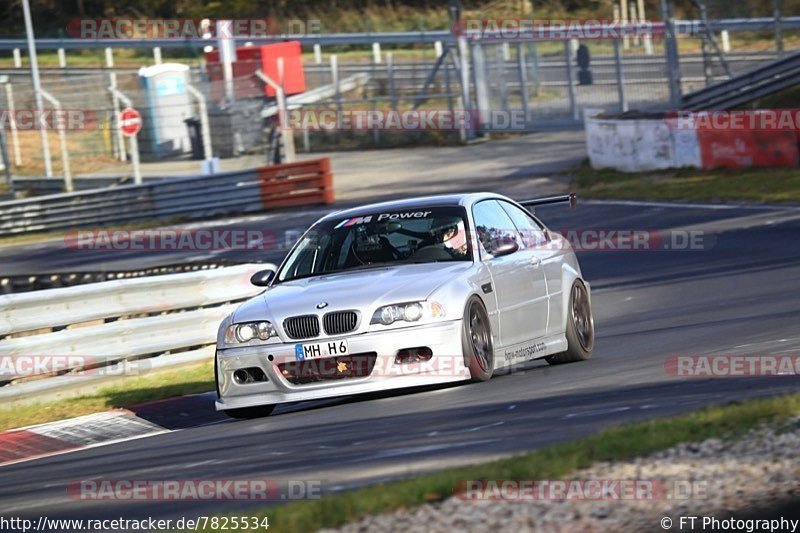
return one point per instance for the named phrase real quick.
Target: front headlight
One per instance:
(408, 312)
(248, 331)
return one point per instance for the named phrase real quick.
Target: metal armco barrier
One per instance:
(293, 184)
(763, 80)
(141, 317)
(228, 193)
(55, 280)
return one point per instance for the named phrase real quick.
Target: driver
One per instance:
(454, 238)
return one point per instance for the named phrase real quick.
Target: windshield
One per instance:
(380, 238)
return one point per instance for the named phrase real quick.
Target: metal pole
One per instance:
(571, 81)
(335, 78)
(707, 73)
(283, 116)
(288, 132)
(390, 75)
(37, 86)
(623, 8)
(62, 140)
(623, 103)
(776, 12)
(204, 125)
(6, 164)
(4, 147)
(137, 172)
(501, 75)
(13, 125)
(671, 51)
(112, 81)
(481, 89)
(523, 79)
(463, 59)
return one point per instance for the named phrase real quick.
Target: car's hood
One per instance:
(362, 290)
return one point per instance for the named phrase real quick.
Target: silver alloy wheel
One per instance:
(582, 316)
(479, 335)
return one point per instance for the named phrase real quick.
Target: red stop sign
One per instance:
(130, 121)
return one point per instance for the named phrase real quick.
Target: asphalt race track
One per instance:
(738, 294)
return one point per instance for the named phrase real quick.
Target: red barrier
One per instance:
(748, 147)
(293, 184)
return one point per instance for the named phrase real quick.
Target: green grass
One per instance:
(124, 393)
(751, 185)
(614, 444)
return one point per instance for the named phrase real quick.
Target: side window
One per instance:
(493, 225)
(530, 231)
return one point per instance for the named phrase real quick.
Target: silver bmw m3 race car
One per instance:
(402, 294)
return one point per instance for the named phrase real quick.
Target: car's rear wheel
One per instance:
(580, 328)
(250, 412)
(476, 340)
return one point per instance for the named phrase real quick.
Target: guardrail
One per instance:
(138, 318)
(191, 197)
(53, 280)
(745, 87)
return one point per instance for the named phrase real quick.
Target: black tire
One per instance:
(580, 328)
(476, 340)
(246, 413)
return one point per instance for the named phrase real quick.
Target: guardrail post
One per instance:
(17, 58)
(317, 54)
(157, 55)
(62, 139)
(204, 126)
(726, 41)
(376, 52)
(12, 124)
(62, 58)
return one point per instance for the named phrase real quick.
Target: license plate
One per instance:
(313, 350)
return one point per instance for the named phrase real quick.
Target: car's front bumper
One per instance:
(446, 365)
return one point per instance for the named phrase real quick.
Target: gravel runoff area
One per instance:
(715, 478)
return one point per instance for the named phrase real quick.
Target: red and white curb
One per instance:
(53, 438)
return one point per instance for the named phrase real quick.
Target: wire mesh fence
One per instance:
(549, 82)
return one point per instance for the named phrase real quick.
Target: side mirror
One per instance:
(262, 277)
(504, 248)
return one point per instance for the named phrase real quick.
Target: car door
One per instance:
(518, 280)
(548, 254)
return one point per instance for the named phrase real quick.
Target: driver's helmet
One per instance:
(454, 236)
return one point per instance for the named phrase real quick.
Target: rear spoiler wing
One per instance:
(571, 198)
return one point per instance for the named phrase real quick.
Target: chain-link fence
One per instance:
(547, 82)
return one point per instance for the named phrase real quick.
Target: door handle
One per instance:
(536, 262)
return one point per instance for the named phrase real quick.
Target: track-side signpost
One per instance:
(130, 124)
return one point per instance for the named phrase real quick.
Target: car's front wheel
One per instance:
(250, 412)
(580, 328)
(476, 340)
